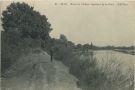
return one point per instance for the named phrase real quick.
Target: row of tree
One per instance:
(26, 28)
(23, 19)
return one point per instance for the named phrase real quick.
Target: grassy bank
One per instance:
(108, 77)
(132, 52)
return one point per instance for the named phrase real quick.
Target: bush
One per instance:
(14, 46)
(63, 53)
(92, 77)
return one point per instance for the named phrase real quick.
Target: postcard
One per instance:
(67, 44)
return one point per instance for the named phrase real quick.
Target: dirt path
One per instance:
(40, 74)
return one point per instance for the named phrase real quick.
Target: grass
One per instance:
(108, 76)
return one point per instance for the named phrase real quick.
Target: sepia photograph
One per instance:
(67, 45)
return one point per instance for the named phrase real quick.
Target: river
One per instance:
(126, 60)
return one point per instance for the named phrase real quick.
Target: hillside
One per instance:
(37, 72)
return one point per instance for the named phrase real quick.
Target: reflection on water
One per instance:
(126, 59)
(102, 56)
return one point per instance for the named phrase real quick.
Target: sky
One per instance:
(102, 25)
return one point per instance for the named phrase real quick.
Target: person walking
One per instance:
(51, 53)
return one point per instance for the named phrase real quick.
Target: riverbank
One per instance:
(37, 72)
(131, 52)
(98, 69)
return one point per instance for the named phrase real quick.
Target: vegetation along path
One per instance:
(40, 74)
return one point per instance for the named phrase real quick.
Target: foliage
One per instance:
(23, 18)
(63, 38)
(78, 46)
(24, 30)
(90, 76)
(14, 46)
(20, 20)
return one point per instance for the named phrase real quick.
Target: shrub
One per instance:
(14, 46)
(92, 77)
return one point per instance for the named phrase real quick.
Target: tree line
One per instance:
(26, 29)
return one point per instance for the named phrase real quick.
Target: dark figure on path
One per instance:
(51, 53)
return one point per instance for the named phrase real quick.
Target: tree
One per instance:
(63, 38)
(23, 18)
(79, 46)
(86, 46)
